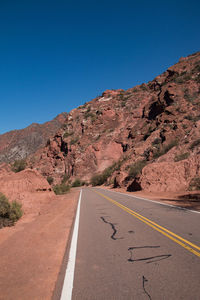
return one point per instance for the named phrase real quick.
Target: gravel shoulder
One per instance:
(32, 251)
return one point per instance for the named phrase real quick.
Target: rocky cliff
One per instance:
(18, 144)
(147, 137)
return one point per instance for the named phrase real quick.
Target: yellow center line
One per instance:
(176, 238)
(148, 220)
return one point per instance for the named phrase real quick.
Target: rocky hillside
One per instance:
(18, 144)
(147, 137)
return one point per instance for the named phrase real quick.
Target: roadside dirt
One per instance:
(189, 200)
(32, 251)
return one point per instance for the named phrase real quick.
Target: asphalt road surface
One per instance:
(129, 248)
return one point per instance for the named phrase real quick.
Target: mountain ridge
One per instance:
(19, 143)
(126, 138)
(125, 133)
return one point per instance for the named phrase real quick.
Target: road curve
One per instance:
(129, 248)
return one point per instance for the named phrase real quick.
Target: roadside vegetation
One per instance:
(10, 213)
(60, 189)
(102, 178)
(63, 187)
(77, 182)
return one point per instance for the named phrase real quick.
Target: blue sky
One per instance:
(57, 55)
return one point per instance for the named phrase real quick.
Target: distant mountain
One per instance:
(18, 144)
(147, 137)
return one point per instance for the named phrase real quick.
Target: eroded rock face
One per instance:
(28, 187)
(157, 122)
(18, 144)
(170, 176)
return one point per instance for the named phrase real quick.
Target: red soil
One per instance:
(32, 251)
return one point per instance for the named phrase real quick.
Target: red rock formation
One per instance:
(28, 187)
(151, 132)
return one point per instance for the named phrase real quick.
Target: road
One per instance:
(129, 248)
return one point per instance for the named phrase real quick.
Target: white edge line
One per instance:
(69, 274)
(182, 208)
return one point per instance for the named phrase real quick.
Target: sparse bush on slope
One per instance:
(100, 179)
(50, 180)
(165, 149)
(194, 184)
(195, 144)
(181, 156)
(136, 168)
(18, 165)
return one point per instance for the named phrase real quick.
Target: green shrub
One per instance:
(9, 212)
(181, 156)
(15, 211)
(93, 118)
(77, 182)
(4, 206)
(66, 134)
(100, 179)
(50, 179)
(165, 149)
(19, 165)
(194, 144)
(61, 189)
(90, 115)
(194, 184)
(136, 168)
